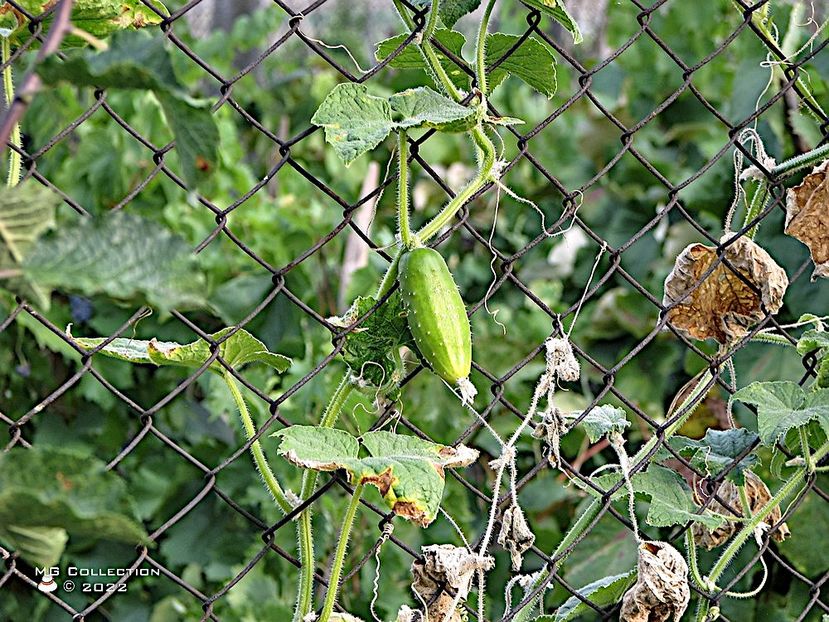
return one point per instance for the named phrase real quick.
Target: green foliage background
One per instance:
(99, 164)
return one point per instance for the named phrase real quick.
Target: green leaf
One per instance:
(717, 451)
(810, 519)
(605, 592)
(120, 255)
(140, 61)
(782, 406)
(100, 18)
(410, 57)
(356, 122)
(49, 488)
(408, 471)
(557, 10)
(531, 61)
(452, 10)
(26, 212)
(671, 500)
(603, 421)
(817, 340)
(424, 108)
(40, 546)
(370, 351)
(237, 350)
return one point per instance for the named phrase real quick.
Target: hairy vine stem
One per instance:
(592, 511)
(15, 138)
(259, 458)
(403, 191)
(480, 49)
(339, 555)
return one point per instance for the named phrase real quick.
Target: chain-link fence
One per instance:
(566, 194)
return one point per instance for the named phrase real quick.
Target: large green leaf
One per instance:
(100, 18)
(371, 349)
(408, 471)
(531, 61)
(671, 499)
(139, 61)
(237, 350)
(47, 489)
(356, 121)
(120, 255)
(604, 592)
(557, 10)
(718, 451)
(782, 406)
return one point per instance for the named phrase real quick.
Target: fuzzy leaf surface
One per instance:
(718, 450)
(121, 255)
(783, 406)
(408, 471)
(603, 421)
(671, 499)
(237, 350)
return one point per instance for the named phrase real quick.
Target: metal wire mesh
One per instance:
(506, 265)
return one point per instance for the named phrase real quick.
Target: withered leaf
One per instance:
(442, 579)
(807, 216)
(661, 591)
(515, 535)
(758, 496)
(721, 305)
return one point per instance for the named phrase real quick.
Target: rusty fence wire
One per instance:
(506, 265)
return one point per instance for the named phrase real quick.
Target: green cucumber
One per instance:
(437, 317)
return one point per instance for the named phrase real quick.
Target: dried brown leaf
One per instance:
(442, 579)
(807, 216)
(722, 306)
(515, 535)
(758, 496)
(661, 591)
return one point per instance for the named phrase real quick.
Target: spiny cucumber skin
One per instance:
(436, 314)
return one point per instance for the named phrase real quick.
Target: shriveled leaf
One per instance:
(237, 350)
(26, 212)
(671, 499)
(783, 406)
(531, 62)
(661, 592)
(140, 61)
(723, 306)
(718, 451)
(817, 341)
(557, 10)
(370, 350)
(408, 471)
(356, 121)
(99, 18)
(603, 421)
(727, 502)
(121, 255)
(604, 593)
(40, 546)
(51, 488)
(807, 216)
